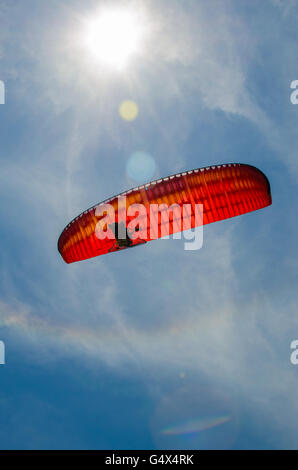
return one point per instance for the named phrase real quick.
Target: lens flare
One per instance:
(129, 110)
(196, 425)
(141, 167)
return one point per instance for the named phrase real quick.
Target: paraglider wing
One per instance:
(225, 191)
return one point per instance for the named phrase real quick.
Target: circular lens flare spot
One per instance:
(129, 110)
(141, 167)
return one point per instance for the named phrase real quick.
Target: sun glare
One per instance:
(114, 37)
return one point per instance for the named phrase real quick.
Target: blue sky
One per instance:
(114, 352)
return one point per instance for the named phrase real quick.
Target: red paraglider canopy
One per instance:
(225, 191)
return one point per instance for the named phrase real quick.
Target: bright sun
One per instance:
(114, 37)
